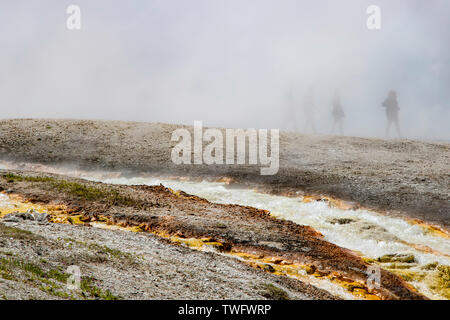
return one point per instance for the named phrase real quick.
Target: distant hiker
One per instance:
(338, 113)
(391, 105)
(290, 115)
(308, 110)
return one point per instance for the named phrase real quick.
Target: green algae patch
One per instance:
(444, 276)
(430, 266)
(88, 285)
(397, 258)
(272, 292)
(439, 282)
(368, 260)
(50, 280)
(400, 266)
(410, 276)
(123, 257)
(436, 277)
(16, 233)
(11, 177)
(80, 190)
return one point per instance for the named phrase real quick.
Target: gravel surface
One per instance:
(128, 265)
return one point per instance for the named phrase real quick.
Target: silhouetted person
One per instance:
(291, 121)
(338, 113)
(391, 105)
(308, 110)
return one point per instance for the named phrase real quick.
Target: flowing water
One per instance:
(370, 234)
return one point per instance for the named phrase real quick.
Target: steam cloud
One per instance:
(228, 63)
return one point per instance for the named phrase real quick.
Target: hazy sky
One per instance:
(228, 62)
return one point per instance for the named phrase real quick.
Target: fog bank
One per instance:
(228, 63)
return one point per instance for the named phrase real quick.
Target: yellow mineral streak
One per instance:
(278, 266)
(18, 204)
(435, 230)
(226, 180)
(425, 249)
(332, 202)
(196, 243)
(104, 225)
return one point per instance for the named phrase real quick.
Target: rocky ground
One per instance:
(158, 210)
(409, 178)
(125, 265)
